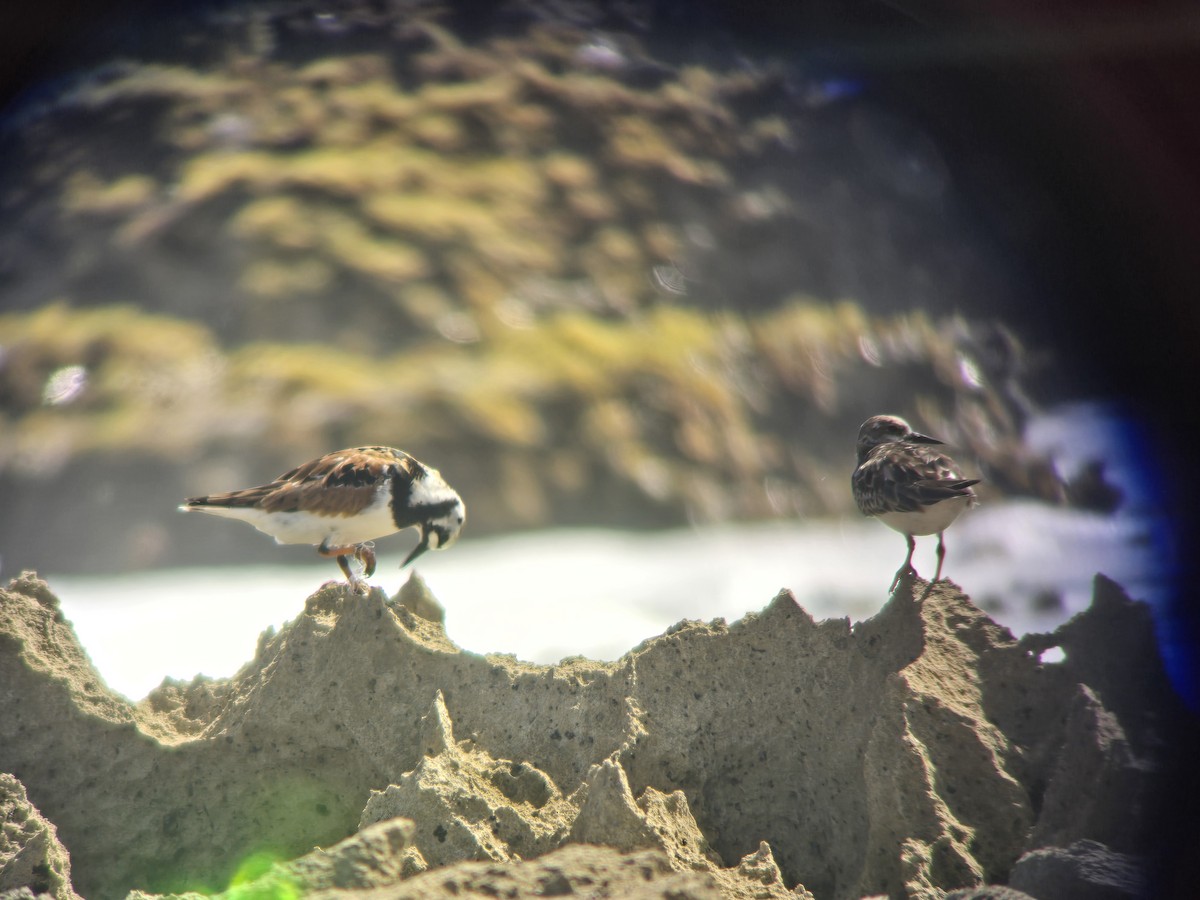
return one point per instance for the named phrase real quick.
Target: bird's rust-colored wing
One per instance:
(338, 484)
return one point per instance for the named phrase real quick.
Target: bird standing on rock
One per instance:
(911, 487)
(345, 500)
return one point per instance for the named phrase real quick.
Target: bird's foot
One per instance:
(905, 571)
(357, 584)
(344, 555)
(365, 554)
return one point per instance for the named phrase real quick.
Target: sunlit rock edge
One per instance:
(918, 752)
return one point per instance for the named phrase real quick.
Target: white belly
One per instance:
(930, 520)
(309, 528)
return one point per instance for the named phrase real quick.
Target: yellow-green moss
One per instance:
(473, 226)
(681, 406)
(505, 153)
(85, 193)
(283, 278)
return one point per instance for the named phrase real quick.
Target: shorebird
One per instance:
(908, 485)
(345, 500)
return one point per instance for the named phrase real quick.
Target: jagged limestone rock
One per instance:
(1096, 751)
(607, 811)
(31, 857)
(576, 870)
(470, 805)
(1086, 870)
(901, 755)
(473, 807)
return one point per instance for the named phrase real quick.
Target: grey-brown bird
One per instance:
(908, 485)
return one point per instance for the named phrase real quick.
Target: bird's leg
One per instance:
(365, 554)
(907, 568)
(941, 555)
(343, 555)
(344, 563)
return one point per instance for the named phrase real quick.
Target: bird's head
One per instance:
(440, 528)
(879, 430)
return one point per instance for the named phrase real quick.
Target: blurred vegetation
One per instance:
(522, 257)
(376, 199)
(711, 416)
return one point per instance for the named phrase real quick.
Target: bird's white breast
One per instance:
(309, 527)
(930, 520)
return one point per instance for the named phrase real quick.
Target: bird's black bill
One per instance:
(917, 438)
(421, 547)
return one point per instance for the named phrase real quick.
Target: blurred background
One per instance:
(630, 274)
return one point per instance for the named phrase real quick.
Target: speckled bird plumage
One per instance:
(908, 484)
(343, 501)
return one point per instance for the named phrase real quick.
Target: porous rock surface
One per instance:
(1086, 870)
(918, 752)
(31, 856)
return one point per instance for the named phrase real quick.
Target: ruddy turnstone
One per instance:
(911, 487)
(343, 501)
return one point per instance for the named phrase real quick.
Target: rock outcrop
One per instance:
(31, 856)
(921, 751)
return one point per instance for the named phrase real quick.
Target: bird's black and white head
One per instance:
(425, 501)
(439, 532)
(879, 430)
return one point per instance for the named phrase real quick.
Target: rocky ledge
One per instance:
(924, 752)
